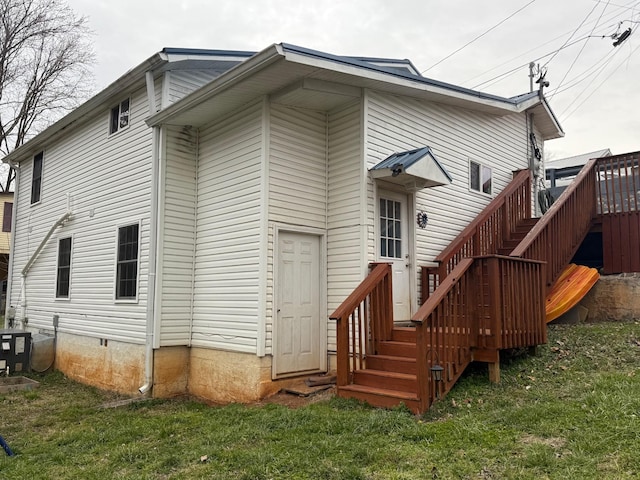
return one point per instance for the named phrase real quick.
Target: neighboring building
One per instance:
(560, 172)
(6, 215)
(199, 241)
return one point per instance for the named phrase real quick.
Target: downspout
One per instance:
(153, 232)
(12, 241)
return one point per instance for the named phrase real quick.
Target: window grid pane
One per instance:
(127, 271)
(63, 279)
(390, 230)
(36, 180)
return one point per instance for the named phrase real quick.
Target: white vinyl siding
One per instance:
(105, 180)
(398, 123)
(183, 82)
(344, 238)
(298, 167)
(178, 236)
(297, 180)
(228, 242)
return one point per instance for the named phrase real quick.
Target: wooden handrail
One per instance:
(489, 231)
(559, 232)
(521, 177)
(618, 183)
(360, 293)
(445, 286)
(485, 304)
(363, 320)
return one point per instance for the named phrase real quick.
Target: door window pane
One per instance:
(390, 228)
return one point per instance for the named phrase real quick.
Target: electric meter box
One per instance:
(15, 351)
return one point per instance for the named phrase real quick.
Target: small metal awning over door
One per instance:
(414, 169)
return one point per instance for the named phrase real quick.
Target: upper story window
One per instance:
(119, 117)
(63, 277)
(480, 177)
(127, 263)
(36, 178)
(7, 216)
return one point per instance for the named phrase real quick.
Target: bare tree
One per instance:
(45, 55)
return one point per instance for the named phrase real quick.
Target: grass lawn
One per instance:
(571, 412)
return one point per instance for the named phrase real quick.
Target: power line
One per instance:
(583, 47)
(574, 32)
(478, 37)
(584, 75)
(491, 81)
(595, 89)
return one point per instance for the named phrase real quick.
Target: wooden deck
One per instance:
(487, 295)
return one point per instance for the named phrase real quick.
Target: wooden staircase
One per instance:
(390, 375)
(518, 234)
(488, 295)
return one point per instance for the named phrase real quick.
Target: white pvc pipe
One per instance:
(153, 232)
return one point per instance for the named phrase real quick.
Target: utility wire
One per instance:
(499, 77)
(585, 74)
(595, 89)
(574, 32)
(494, 80)
(478, 37)
(583, 47)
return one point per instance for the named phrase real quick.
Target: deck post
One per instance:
(494, 372)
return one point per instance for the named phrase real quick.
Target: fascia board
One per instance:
(506, 106)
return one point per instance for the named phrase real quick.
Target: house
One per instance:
(191, 228)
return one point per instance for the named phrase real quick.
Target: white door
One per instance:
(298, 334)
(393, 247)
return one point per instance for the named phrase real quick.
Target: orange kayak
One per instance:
(572, 285)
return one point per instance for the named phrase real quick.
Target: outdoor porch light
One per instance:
(436, 372)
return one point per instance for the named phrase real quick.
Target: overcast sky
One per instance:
(598, 101)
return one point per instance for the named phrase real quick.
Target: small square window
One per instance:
(119, 117)
(480, 177)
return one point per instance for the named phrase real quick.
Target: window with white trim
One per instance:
(480, 177)
(63, 277)
(36, 177)
(119, 117)
(127, 263)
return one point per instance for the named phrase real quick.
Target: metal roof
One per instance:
(360, 62)
(418, 168)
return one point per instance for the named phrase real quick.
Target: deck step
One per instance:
(404, 334)
(380, 397)
(398, 349)
(386, 380)
(390, 363)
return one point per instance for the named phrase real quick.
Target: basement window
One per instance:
(119, 117)
(127, 263)
(480, 177)
(63, 278)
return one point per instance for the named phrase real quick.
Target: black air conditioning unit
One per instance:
(15, 351)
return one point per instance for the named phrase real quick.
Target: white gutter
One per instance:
(153, 242)
(12, 241)
(87, 109)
